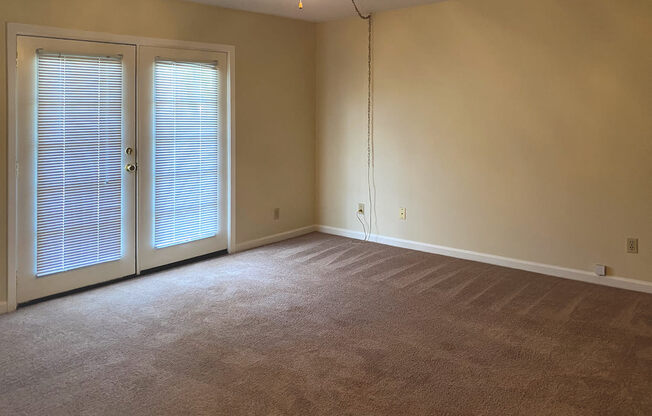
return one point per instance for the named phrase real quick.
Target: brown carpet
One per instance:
(323, 325)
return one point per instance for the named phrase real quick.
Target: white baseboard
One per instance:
(573, 274)
(3, 308)
(273, 238)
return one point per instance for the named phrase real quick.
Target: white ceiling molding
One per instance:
(313, 10)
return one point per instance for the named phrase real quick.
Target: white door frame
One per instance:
(16, 29)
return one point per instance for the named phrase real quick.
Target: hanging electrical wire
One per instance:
(367, 17)
(360, 216)
(371, 179)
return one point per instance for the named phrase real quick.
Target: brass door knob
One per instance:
(130, 168)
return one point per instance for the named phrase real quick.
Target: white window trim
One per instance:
(17, 29)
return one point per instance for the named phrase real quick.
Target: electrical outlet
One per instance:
(632, 245)
(403, 214)
(361, 208)
(600, 270)
(277, 213)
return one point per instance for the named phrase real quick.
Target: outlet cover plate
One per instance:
(632, 245)
(600, 270)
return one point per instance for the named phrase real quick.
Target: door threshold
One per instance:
(184, 262)
(120, 279)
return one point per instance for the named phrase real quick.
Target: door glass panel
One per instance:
(79, 140)
(187, 160)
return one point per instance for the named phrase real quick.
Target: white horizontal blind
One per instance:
(187, 163)
(79, 175)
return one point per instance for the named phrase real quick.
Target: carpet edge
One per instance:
(547, 269)
(274, 238)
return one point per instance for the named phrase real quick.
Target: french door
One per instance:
(95, 202)
(76, 219)
(182, 129)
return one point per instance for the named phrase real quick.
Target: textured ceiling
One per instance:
(313, 10)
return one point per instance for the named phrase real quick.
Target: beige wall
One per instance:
(510, 127)
(514, 128)
(274, 96)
